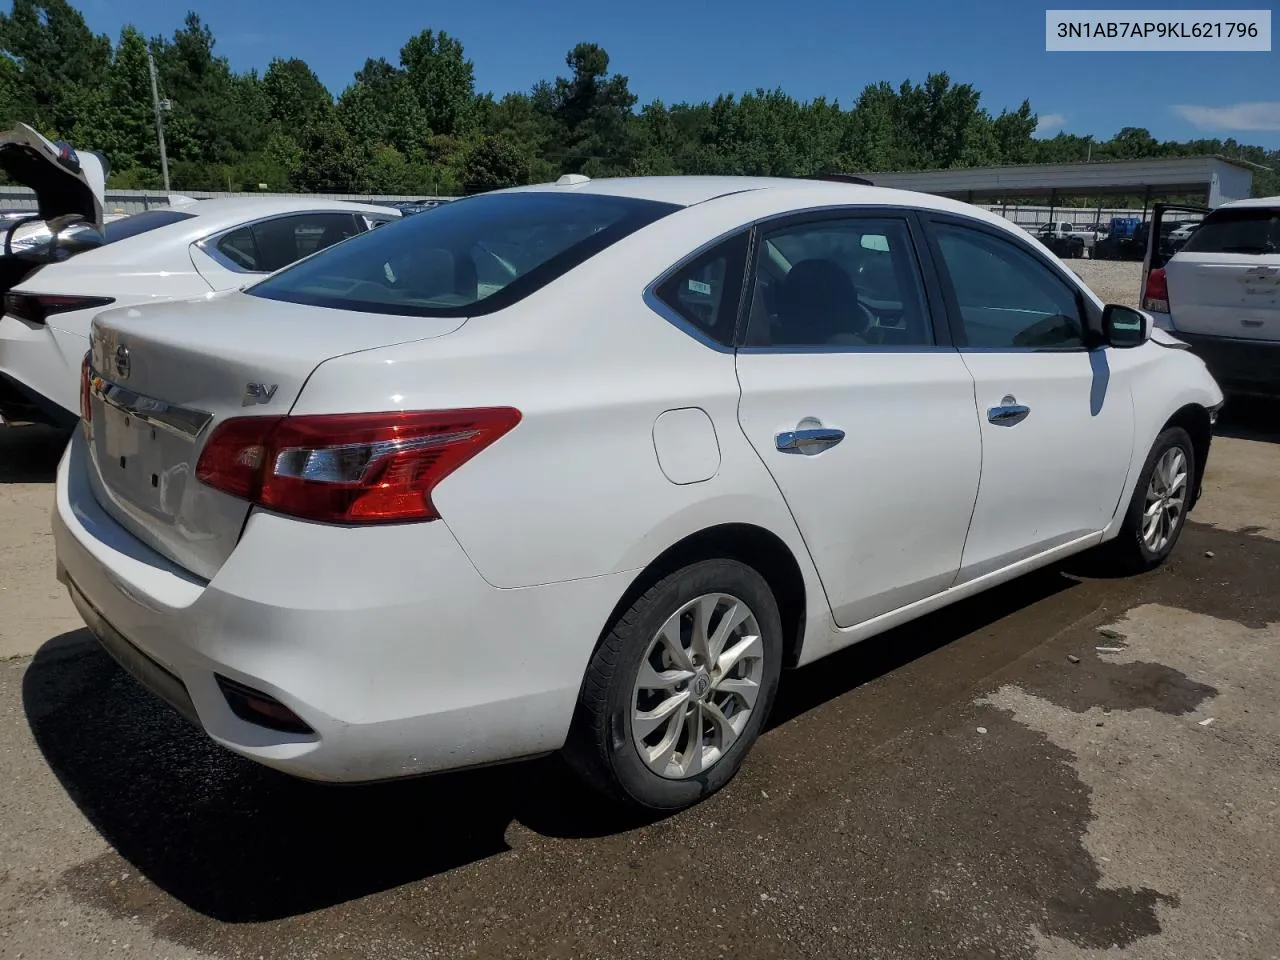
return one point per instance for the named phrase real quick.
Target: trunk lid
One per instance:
(66, 182)
(166, 375)
(1225, 281)
(70, 190)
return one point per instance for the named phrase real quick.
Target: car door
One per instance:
(859, 406)
(1057, 426)
(234, 257)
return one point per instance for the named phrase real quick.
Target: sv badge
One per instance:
(258, 393)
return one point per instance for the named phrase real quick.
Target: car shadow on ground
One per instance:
(30, 453)
(1250, 418)
(241, 843)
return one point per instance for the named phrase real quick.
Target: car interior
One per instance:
(836, 287)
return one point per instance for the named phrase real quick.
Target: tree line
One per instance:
(419, 126)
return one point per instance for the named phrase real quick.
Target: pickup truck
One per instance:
(1067, 240)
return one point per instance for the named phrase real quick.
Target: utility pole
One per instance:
(155, 101)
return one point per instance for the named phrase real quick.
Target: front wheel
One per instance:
(680, 688)
(1158, 509)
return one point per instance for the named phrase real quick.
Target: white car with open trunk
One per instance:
(53, 290)
(585, 465)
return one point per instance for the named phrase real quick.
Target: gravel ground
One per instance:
(1115, 281)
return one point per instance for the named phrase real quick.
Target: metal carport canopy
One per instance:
(1218, 179)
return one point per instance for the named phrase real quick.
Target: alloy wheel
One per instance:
(697, 686)
(1166, 499)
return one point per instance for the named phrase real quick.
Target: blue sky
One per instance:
(691, 50)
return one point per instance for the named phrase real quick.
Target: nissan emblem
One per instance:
(122, 362)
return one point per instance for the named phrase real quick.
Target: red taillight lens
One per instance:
(38, 307)
(348, 468)
(1156, 296)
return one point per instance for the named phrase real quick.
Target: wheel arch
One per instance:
(1194, 418)
(759, 548)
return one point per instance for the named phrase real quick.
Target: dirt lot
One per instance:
(1115, 281)
(957, 788)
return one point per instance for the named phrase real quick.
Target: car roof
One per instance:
(1252, 202)
(687, 191)
(237, 209)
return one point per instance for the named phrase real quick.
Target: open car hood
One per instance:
(66, 182)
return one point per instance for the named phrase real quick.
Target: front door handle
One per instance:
(812, 440)
(1009, 412)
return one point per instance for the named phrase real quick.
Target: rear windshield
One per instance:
(469, 257)
(137, 223)
(1247, 230)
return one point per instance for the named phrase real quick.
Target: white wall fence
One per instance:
(133, 201)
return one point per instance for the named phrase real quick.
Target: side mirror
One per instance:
(1125, 326)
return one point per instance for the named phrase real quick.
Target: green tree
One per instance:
(442, 81)
(493, 162)
(134, 153)
(55, 59)
(295, 97)
(418, 126)
(594, 112)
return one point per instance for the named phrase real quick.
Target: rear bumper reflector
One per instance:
(254, 706)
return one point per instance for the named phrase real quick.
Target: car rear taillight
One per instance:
(348, 468)
(38, 307)
(1156, 296)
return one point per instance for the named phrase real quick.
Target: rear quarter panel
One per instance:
(576, 490)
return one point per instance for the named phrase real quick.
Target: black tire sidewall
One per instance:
(1171, 437)
(637, 782)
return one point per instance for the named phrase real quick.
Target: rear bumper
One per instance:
(385, 641)
(1239, 365)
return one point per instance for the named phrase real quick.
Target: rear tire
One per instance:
(1158, 508)
(673, 698)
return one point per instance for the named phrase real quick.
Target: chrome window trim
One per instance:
(183, 422)
(209, 245)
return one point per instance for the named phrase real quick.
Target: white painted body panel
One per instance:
(884, 525)
(1057, 475)
(428, 646)
(1225, 295)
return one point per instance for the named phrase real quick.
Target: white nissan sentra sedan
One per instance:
(585, 465)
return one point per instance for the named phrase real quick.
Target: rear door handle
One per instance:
(1009, 412)
(812, 440)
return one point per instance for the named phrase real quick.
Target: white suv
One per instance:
(1221, 294)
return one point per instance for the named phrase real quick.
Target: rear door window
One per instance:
(1244, 230)
(272, 244)
(285, 239)
(851, 282)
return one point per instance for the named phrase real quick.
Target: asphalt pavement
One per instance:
(1066, 767)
